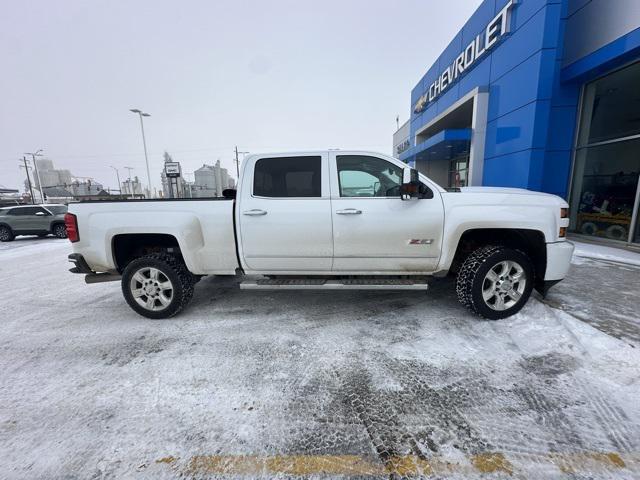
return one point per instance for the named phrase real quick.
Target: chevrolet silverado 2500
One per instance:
(327, 220)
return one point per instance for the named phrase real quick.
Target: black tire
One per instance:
(59, 230)
(6, 235)
(171, 268)
(473, 280)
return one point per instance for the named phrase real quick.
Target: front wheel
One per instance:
(157, 285)
(495, 282)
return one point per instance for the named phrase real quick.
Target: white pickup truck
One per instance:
(327, 220)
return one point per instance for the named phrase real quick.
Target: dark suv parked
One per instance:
(40, 220)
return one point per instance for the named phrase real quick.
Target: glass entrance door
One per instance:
(604, 197)
(459, 171)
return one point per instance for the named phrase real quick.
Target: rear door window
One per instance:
(288, 177)
(23, 211)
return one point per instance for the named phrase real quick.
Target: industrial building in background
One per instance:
(211, 180)
(60, 184)
(543, 95)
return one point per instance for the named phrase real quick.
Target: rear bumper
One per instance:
(80, 264)
(558, 260)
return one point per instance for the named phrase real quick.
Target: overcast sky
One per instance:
(267, 75)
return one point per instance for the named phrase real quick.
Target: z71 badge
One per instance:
(421, 241)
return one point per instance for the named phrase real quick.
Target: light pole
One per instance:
(118, 177)
(130, 185)
(35, 166)
(144, 143)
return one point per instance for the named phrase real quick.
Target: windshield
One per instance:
(57, 209)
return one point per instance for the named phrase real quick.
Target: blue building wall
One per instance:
(531, 116)
(534, 92)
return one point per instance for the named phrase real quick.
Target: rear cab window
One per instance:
(288, 177)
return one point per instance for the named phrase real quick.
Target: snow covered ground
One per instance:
(303, 384)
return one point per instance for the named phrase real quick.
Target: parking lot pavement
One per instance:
(302, 384)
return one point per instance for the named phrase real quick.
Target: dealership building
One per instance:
(538, 94)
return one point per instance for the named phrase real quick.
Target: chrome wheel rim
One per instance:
(151, 289)
(504, 285)
(4, 233)
(60, 231)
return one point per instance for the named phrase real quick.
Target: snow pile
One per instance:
(602, 252)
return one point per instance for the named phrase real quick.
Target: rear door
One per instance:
(284, 214)
(374, 230)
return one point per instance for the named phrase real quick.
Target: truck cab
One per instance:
(335, 212)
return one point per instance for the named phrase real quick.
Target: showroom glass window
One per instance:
(287, 177)
(604, 197)
(366, 176)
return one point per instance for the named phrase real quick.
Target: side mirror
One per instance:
(410, 187)
(229, 193)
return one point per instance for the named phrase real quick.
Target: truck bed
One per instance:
(203, 228)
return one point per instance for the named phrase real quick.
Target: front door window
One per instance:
(365, 176)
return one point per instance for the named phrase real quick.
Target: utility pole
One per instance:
(26, 169)
(144, 143)
(130, 186)
(118, 177)
(238, 164)
(35, 165)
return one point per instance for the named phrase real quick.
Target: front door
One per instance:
(374, 230)
(284, 214)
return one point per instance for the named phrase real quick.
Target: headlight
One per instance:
(564, 213)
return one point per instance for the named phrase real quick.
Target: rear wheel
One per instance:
(495, 282)
(6, 235)
(60, 230)
(157, 285)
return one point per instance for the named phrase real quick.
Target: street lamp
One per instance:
(35, 165)
(144, 142)
(118, 177)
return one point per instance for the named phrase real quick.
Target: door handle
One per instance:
(349, 211)
(254, 212)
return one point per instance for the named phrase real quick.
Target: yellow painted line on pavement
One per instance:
(405, 465)
(587, 460)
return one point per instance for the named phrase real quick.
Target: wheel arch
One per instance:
(530, 241)
(126, 247)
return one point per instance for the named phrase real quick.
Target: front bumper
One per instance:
(558, 260)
